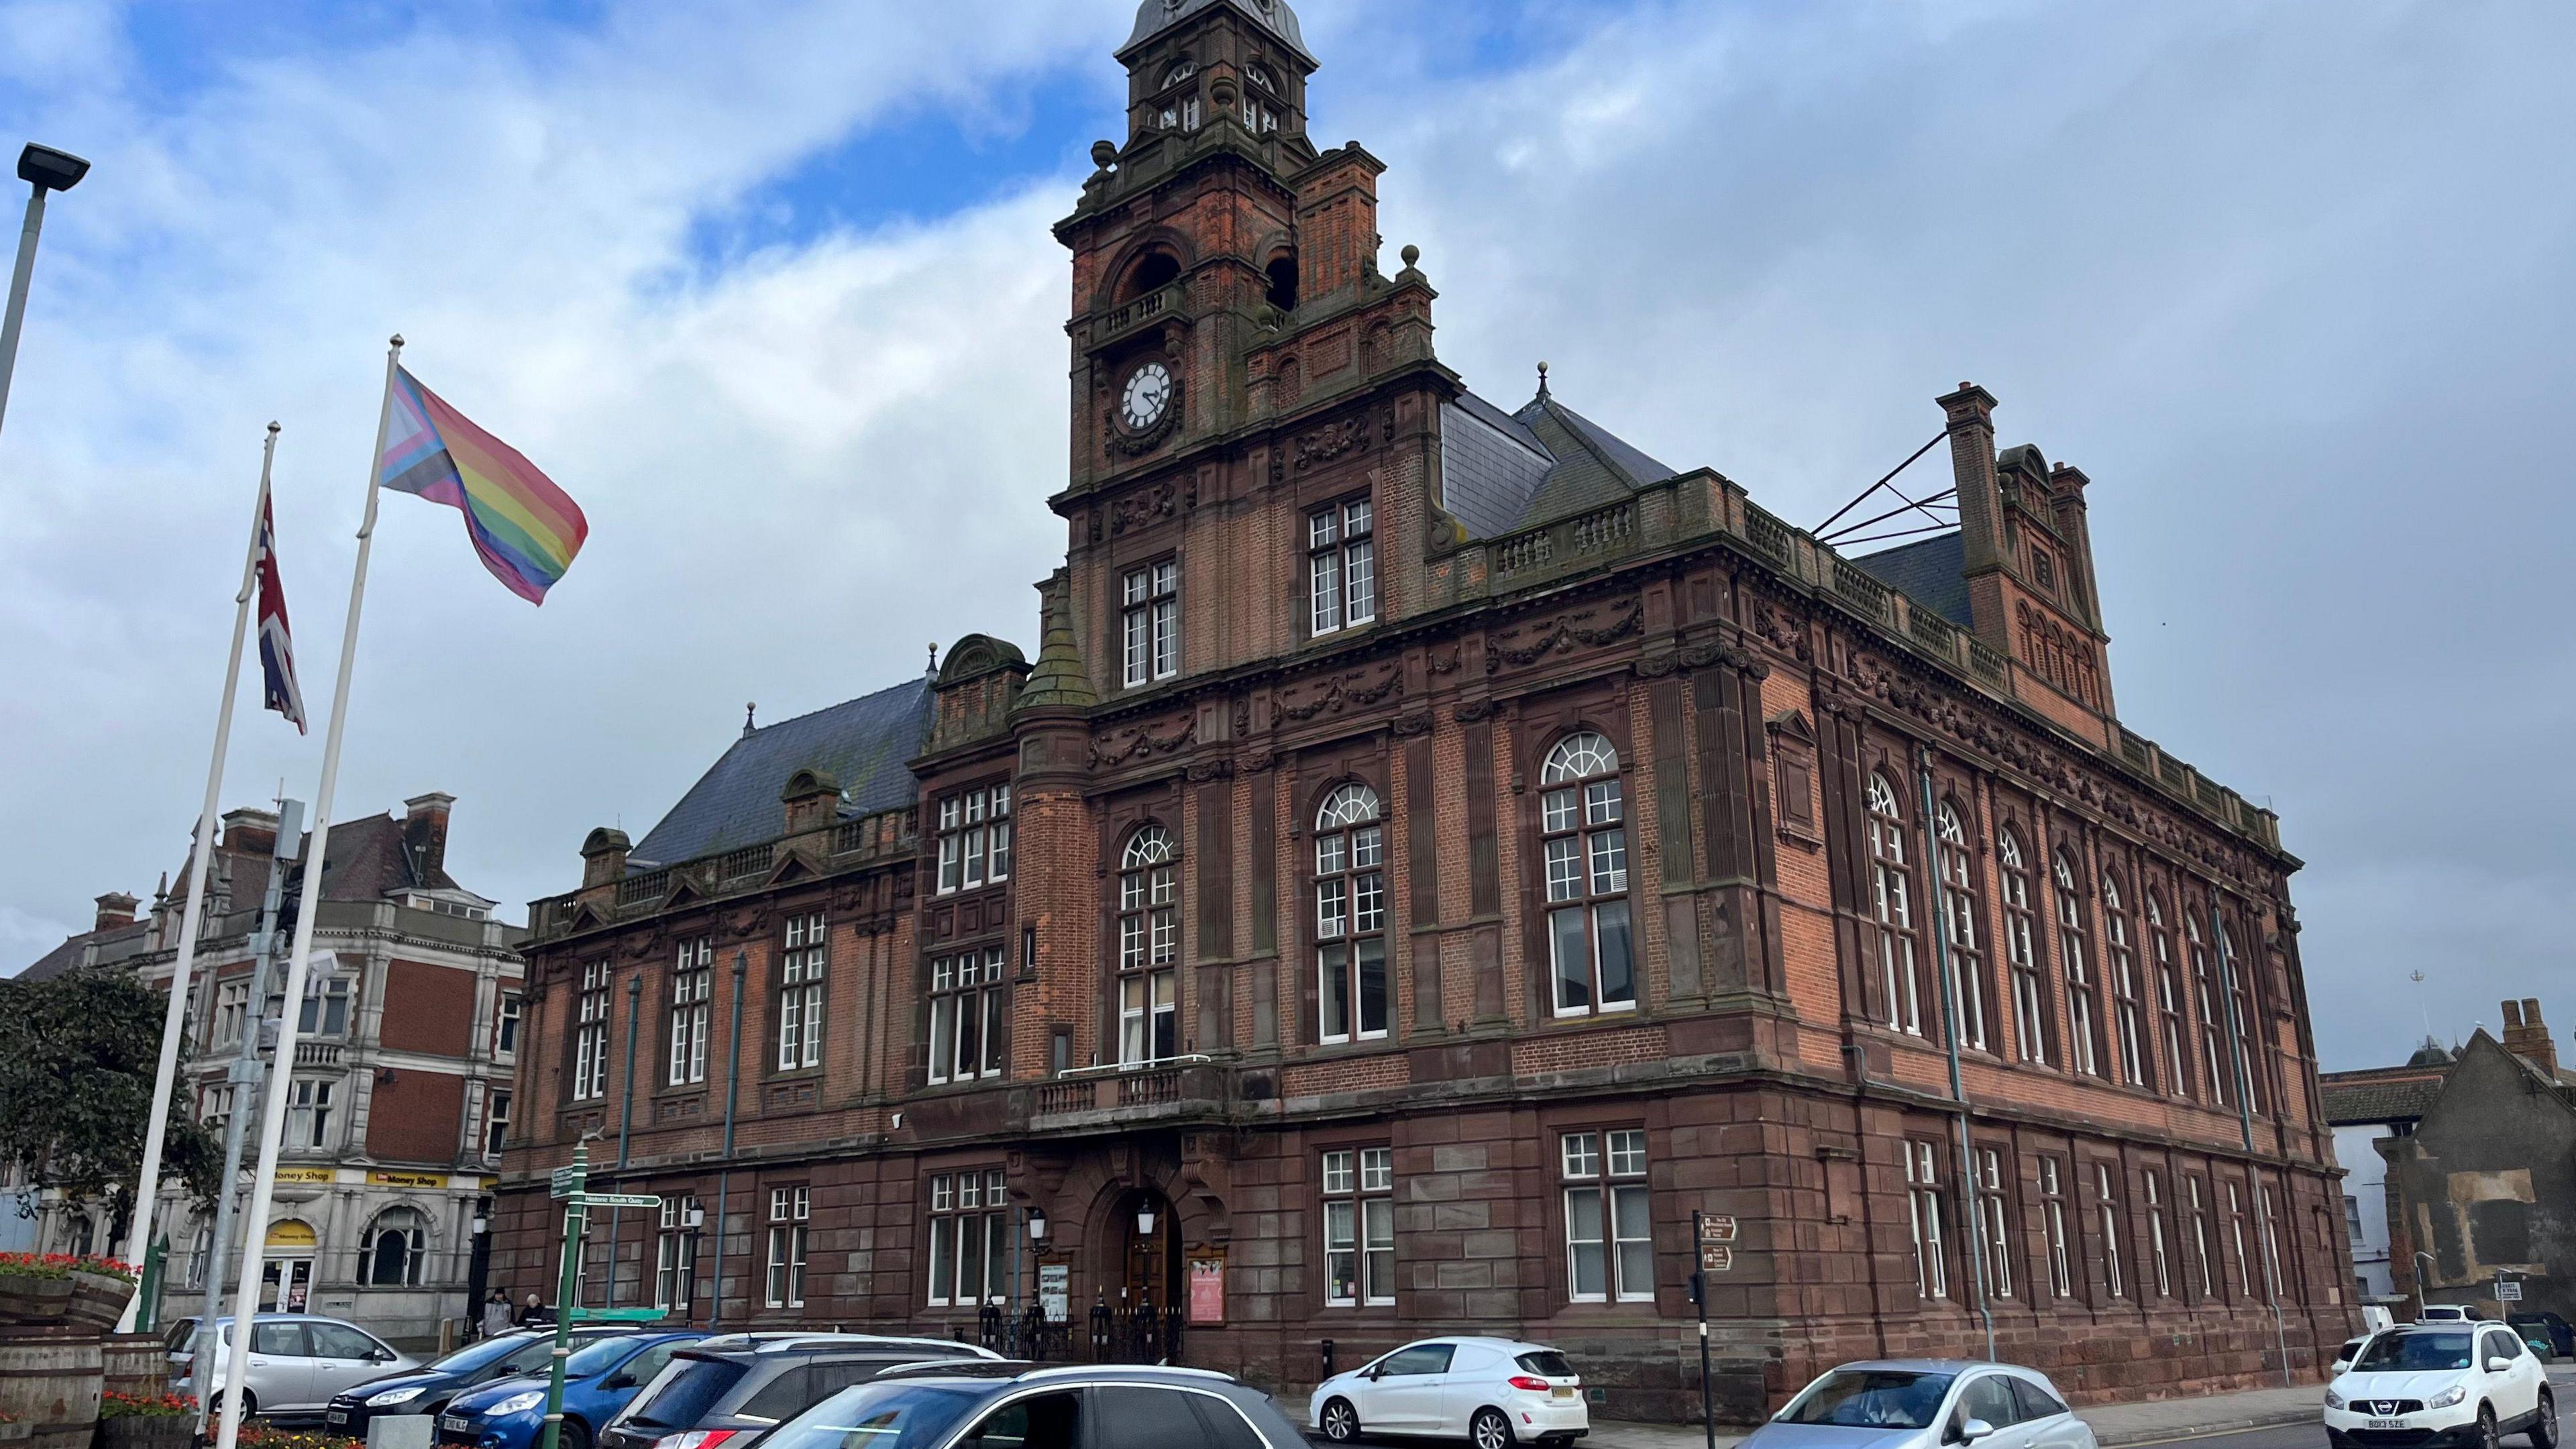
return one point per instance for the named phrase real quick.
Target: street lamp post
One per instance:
(44, 169)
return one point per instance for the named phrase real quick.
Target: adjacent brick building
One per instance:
(1436, 849)
(402, 1080)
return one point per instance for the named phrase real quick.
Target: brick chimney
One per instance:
(250, 832)
(2527, 1036)
(603, 857)
(425, 834)
(116, 908)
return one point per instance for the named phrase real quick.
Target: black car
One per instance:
(2536, 1326)
(736, 1387)
(427, 1390)
(934, 1406)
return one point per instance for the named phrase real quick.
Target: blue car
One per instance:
(598, 1380)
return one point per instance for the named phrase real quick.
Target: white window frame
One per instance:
(1150, 623)
(507, 1022)
(967, 1008)
(2074, 945)
(1891, 889)
(974, 839)
(1991, 1191)
(2021, 951)
(2129, 1042)
(2052, 1200)
(969, 1227)
(309, 1114)
(1959, 922)
(803, 969)
(2106, 1198)
(1614, 1181)
(789, 1209)
(1350, 917)
(675, 1257)
(496, 1121)
(1923, 1213)
(2170, 1005)
(1341, 567)
(590, 1034)
(2200, 1237)
(1583, 854)
(232, 1012)
(1149, 948)
(2156, 1234)
(1359, 1227)
(692, 1012)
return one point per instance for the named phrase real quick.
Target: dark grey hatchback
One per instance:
(996, 1406)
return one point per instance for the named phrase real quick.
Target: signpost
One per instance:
(2508, 1290)
(1714, 1236)
(567, 1184)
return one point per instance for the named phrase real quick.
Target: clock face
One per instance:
(1147, 397)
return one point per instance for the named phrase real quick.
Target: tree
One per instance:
(78, 1054)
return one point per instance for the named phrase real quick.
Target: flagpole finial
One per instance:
(272, 427)
(397, 339)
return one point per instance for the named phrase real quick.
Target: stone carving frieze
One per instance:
(1142, 743)
(1595, 626)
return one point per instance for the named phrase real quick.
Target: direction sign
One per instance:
(1716, 1258)
(620, 1200)
(2508, 1290)
(1717, 1228)
(566, 1181)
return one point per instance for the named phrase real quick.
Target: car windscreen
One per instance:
(475, 1355)
(895, 1415)
(1547, 1363)
(2406, 1353)
(597, 1357)
(684, 1393)
(1871, 1399)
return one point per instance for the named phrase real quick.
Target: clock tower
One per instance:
(1225, 284)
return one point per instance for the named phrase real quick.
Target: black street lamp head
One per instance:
(47, 169)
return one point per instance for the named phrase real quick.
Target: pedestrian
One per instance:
(534, 1315)
(496, 1314)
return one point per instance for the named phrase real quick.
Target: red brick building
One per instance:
(1436, 850)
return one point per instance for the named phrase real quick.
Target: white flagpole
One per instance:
(200, 866)
(272, 1126)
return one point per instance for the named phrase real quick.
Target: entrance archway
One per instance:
(1150, 1256)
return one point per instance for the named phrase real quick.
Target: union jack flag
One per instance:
(276, 645)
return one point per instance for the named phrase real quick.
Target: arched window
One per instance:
(2240, 1005)
(1149, 948)
(1262, 79)
(1892, 899)
(2169, 997)
(2083, 1010)
(1959, 923)
(1155, 271)
(1350, 917)
(1592, 958)
(1181, 70)
(2128, 1036)
(2204, 986)
(2021, 954)
(1180, 112)
(395, 1247)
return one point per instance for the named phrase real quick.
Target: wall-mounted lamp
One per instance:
(1145, 1222)
(1037, 1225)
(695, 1218)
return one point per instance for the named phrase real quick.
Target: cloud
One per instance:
(2288, 281)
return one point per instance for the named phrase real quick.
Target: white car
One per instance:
(1493, 1392)
(2344, 1356)
(1926, 1404)
(2465, 1384)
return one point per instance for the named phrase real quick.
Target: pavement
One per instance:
(2117, 1426)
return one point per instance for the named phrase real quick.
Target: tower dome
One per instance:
(1153, 17)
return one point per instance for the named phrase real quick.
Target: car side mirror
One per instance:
(619, 1381)
(1974, 1430)
(2499, 1365)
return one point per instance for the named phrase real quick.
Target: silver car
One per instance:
(1926, 1404)
(297, 1362)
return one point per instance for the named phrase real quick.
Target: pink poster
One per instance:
(1207, 1290)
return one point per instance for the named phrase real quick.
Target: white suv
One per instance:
(2459, 1384)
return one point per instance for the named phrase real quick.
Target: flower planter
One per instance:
(98, 1300)
(135, 1364)
(147, 1431)
(28, 1299)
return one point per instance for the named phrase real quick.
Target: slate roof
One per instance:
(2353, 1104)
(68, 955)
(864, 743)
(1153, 17)
(1502, 472)
(1931, 572)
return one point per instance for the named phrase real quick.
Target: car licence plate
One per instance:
(336, 1416)
(1562, 1393)
(452, 1424)
(2388, 1423)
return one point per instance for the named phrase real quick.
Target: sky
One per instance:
(769, 288)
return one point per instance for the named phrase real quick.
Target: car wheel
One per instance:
(2488, 1438)
(1490, 1430)
(1340, 1422)
(2544, 1430)
(574, 1435)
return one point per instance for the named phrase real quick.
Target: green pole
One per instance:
(568, 1285)
(147, 1298)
